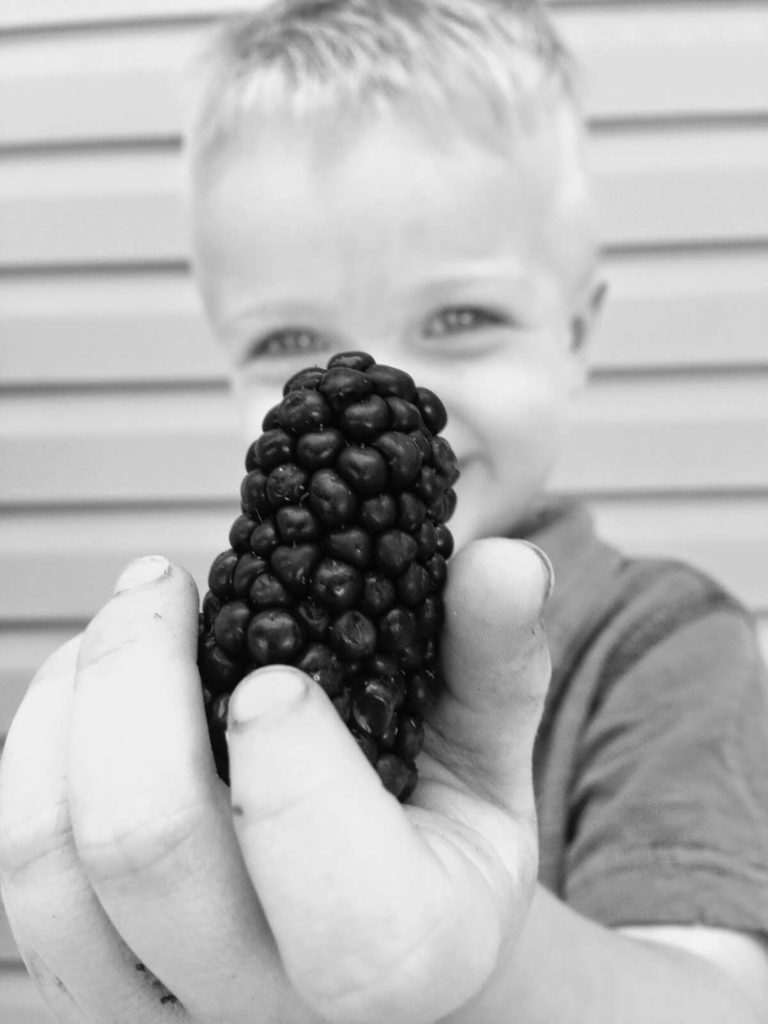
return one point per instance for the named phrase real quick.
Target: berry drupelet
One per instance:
(337, 563)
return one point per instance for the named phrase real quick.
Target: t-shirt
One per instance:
(651, 762)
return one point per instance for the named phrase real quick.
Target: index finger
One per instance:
(47, 896)
(151, 820)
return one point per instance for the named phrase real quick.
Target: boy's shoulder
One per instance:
(612, 608)
(649, 761)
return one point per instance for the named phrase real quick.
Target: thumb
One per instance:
(347, 883)
(496, 665)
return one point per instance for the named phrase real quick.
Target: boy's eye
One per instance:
(286, 342)
(456, 319)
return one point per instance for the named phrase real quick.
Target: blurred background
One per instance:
(117, 434)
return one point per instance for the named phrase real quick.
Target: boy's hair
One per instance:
(493, 68)
(501, 58)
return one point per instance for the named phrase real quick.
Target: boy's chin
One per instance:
(467, 524)
(472, 521)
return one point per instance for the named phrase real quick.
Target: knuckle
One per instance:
(28, 840)
(60, 664)
(102, 648)
(151, 847)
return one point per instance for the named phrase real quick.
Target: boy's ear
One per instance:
(586, 316)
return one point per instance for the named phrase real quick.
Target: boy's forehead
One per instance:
(396, 141)
(388, 193)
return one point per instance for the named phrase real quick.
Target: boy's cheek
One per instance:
(253, 403)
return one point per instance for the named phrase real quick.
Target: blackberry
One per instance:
(337, 563)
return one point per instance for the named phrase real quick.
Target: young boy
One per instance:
(406, 178)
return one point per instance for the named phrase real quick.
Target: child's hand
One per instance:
(313, 894)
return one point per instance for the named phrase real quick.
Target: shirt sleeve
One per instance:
(670, 797)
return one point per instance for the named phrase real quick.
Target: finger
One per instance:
(78, 961)
(497, 669)
(151, 820)
(368, 917)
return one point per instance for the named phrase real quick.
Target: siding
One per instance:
(107, 373)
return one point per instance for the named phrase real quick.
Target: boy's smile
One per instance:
(442, 260)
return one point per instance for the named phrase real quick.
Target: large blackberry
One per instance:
(338, 561)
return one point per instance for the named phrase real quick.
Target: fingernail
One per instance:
(549, 571)
(266, 691)
(142, 571)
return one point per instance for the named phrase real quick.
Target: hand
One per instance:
(306, 892)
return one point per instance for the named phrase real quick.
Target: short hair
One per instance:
(309, 57)
(491, 67)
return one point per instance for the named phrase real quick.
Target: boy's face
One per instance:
(441, 260)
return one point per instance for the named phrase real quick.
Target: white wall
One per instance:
(116, 431)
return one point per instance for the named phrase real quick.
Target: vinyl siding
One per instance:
(109, 379)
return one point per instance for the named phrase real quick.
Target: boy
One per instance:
(406, 178)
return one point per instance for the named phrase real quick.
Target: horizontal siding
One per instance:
(29, 15)
(688, 310)
(684, 186)
(113, 327)
(656, 188)
(19, 1000)
(659, 60)
(117, 434)
(49, 82)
